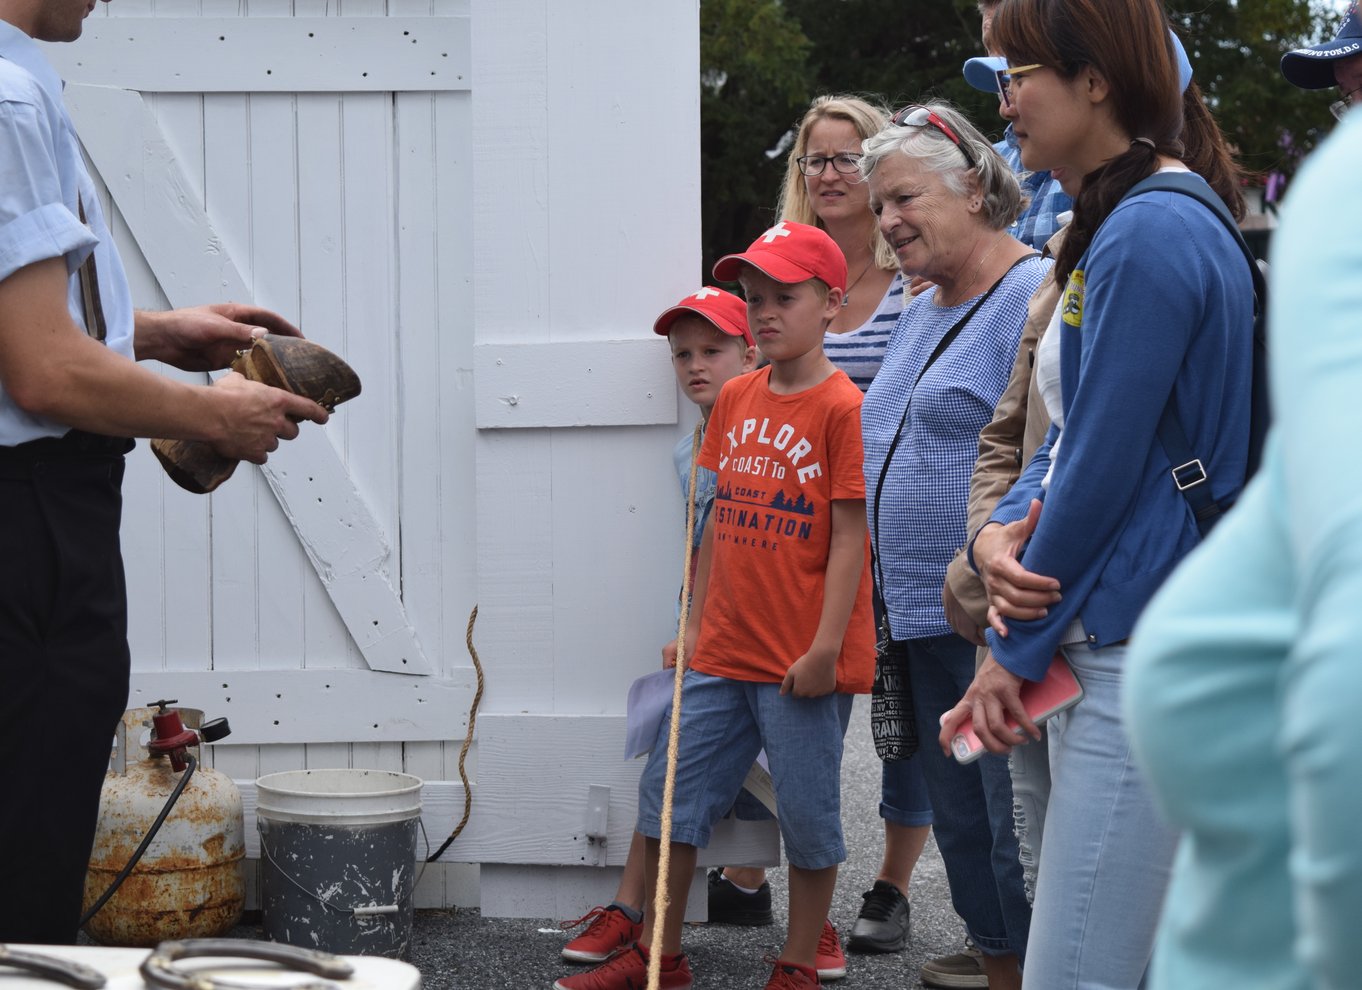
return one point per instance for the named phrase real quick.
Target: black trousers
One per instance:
(64, 667)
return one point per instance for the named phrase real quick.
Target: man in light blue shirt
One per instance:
(1040, 220)
(70, 396)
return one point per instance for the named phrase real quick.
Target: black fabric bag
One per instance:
(892, 723)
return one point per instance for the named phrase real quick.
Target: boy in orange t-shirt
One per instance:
(780, 616)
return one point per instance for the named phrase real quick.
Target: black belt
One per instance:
(74, 446)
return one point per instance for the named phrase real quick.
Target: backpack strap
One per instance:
(1188, 472)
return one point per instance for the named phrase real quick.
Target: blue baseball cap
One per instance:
(1312, 67)
(982, 72)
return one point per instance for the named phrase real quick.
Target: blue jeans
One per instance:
(724, 725)
(972, 804)
(1107, 854)
(903, 789)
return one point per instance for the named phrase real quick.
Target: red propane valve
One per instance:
(169, 736)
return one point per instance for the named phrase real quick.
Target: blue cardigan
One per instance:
(1162, 302)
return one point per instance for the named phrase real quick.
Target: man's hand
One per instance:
(812, 675)
(669, 655)
(995, 693)
(205, 338)
(256, 417)
(1013, 591)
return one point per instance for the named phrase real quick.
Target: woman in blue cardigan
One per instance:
(1157, 308)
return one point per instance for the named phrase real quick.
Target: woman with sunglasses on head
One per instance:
(1156, 313)
(945, 201)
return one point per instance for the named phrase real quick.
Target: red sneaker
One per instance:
(829, 959)
(788, 976)
(628, 970)
(608, 931)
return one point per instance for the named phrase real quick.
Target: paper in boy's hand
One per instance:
(649, 698)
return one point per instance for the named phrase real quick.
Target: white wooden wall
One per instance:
(481, 208)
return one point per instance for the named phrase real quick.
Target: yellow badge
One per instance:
(1073, 299)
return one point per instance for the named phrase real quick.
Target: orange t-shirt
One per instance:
(781, 460)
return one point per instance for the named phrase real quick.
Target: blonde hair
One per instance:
(794, 204)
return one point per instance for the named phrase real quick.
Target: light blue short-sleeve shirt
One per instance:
(43, 184)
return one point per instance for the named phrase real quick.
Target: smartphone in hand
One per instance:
(1043, 699)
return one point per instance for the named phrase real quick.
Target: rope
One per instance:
(467, 740)
(662, 896)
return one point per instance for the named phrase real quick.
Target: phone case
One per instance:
(1043, 699)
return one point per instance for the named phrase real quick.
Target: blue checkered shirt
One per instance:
(923, 500)
(1040, 219)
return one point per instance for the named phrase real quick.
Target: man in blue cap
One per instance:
(1333, 63)
(1040, 220)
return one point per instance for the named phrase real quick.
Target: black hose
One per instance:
(146, 841)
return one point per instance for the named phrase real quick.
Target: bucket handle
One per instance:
(365, 911)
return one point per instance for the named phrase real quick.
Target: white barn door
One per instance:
(481, 208)
(312, 157)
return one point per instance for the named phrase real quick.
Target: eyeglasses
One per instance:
(1340, 106)
(846, 163)
(914, 115)
(1005, 80)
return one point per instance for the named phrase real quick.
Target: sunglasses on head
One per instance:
(915, 115)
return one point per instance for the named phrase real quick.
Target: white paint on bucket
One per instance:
(338, 851)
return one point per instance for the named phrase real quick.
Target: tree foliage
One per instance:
(762, 61)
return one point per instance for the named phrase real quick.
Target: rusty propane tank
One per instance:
(190, 882)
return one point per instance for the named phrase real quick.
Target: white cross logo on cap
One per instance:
(705, 293)
(779, 230)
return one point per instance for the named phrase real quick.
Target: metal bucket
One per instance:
(338, 859)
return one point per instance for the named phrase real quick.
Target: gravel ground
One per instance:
(461, 950)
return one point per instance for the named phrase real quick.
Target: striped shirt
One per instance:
(925, 492)
(860, 352)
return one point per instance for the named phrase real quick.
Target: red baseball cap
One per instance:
(726, 311)
(790, 252)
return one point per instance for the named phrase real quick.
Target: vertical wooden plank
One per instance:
(235, 541)
(511, 303)
(185, 520)
(370, 331)
(610, 104)
(322, 315)
(599, 647)
(283, 567)
(327, 756)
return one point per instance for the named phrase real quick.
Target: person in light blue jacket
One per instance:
(1244, 685)
(1157, 306)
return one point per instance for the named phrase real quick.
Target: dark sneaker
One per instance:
(730, 906)
(608, 930)
(964, 969)
(829, 960)
(882, 925)
(629, 971)
(788, 976)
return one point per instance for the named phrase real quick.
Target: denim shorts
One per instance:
(724, 724)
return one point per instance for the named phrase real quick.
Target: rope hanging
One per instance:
(661, 895)
(467, 740)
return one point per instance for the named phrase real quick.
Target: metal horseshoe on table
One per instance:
(73, 974)
(159, 969)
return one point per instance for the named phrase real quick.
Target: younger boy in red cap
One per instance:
(780, 617)
(710, 344)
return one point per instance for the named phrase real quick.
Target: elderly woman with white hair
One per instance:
(945, 200)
